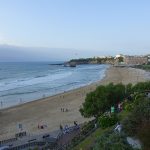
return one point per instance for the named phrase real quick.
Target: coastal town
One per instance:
(119, 59)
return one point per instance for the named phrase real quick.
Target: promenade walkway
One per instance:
(52, 140)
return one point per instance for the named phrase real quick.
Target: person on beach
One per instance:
(43, 96)
(76, 125)
(61, 127)
(38, 126)
(20, 100)
(1, 104)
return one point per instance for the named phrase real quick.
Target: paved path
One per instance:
(56, 137)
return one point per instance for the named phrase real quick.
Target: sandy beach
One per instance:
(48, 112)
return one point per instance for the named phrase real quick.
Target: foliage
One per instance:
(139, 114)
(136, 99)
(100, 100)
(107, 120)
(120, 59)
(87, 143)
(82, 60)
(129, 89)
(95, 103)
(87, 127)
(144, 67)
(112, 141)
(129, 107)
(141, 86)
(144, 135)
(138, 121)
(90, 60)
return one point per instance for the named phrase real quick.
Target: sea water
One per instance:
(24, 82)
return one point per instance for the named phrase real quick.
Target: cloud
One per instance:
(15, 53)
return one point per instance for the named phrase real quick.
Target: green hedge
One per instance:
(112, 141)
(105, 121)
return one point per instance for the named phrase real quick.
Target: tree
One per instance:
(128, 89)
(116, 93)
(138, 121)
(100, 100)
(95, 103)
(120, 59)
(138, 116)
(141, 86)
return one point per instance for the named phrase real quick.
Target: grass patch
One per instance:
(89, 141)
(123, 114)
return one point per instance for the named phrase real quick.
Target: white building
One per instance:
(135, 60)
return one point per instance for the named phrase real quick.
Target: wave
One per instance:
(32, 81)
(17, 93)
(40, 76)
(37, 90)
(3, 78)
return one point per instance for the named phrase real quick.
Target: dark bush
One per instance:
(144, 135)
(128, 107)
(139, 115)
(112, 141)
(87, 127)
(107, 120)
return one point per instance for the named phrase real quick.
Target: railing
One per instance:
(8, 140)
(28, 145)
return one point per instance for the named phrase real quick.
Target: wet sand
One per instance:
(48, 111)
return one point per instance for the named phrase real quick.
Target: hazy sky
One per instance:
(99, 26)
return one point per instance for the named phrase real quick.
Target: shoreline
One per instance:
(55, 95)
(48, 110)
(24, 98)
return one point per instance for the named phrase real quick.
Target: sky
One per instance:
(73, 28)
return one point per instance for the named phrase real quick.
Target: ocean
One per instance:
(24, 82)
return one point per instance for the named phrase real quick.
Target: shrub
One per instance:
(144, 135)
(112, 141)
(128, 106)
(140, 114)
(107, 120)
(87, 127)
